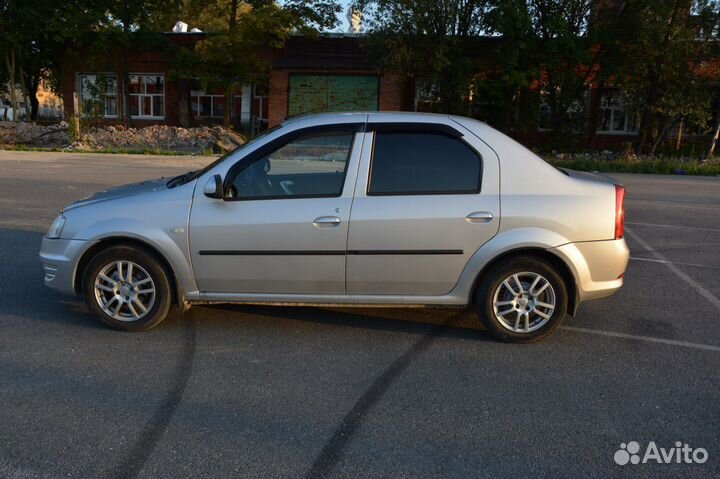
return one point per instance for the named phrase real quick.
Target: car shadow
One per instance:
(24, 295)
(436, 322)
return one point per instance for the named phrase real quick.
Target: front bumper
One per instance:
(59, 258)
(598, 266)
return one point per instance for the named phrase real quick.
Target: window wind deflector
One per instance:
(414, 127)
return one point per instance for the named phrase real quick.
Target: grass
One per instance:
(655, 166)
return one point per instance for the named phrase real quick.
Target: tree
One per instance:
(484, 56)
(127, 25)
(659, 65)
(4, 94)
(29, 52)
(435, 41)
(544, 63)
(240, 35)
(12, 42)
(504, 90)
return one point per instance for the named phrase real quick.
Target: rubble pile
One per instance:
(161, 137)
(20, 133)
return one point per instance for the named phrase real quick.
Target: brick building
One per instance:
(308, 75)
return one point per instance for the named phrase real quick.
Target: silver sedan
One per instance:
(351, 209)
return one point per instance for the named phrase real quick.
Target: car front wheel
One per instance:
(521, 300)
(127, 288)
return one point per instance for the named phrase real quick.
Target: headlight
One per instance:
(56, 227)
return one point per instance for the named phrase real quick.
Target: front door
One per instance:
(426, 200)
(283, 226)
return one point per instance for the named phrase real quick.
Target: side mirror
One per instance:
(214, 188)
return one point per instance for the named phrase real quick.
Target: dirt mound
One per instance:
(20, 133)
(162, 137)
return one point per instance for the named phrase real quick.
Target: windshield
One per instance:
(191, 175)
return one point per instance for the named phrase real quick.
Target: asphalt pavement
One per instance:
(249, 391)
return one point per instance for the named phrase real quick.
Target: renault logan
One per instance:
(351, 209)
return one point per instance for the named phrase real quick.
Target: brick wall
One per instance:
(277, 97)
(392, 94)
(141, 62)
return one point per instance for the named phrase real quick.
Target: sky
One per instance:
(344, 25)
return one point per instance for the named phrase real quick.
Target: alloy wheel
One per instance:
(524, 302)
(124, 290)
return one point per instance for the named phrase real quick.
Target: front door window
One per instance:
(311, 166)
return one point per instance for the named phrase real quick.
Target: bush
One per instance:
(631, 163)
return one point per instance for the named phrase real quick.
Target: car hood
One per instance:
(123, 191)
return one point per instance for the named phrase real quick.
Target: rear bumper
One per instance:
(59, 259)
(598, 266)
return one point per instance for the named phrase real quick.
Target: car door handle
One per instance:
(479, 217)
(326, 222)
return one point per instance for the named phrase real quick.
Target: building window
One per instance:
(575, 113)
(613, 117)
(207, 106)
(426, 96)
(260, 107)
(147, 95)
(98, 94)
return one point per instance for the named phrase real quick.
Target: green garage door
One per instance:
(318, 93)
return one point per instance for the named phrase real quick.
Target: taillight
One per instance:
(619, 211)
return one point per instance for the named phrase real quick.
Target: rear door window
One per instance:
(423, 162)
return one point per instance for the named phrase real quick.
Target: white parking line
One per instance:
(679, 273)
(656, 225)
(661, 261)
(649, 339)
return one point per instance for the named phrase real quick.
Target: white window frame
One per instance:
(261, 117)
(578, 106)
(138, 97)
(195, 98)
(426, 92)
(617, 108)
(81, 95)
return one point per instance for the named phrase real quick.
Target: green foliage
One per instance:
(139, 15)
(494, 59)
(660, 166)
(240, 35)
(518, 64)
(428, 40)
(659, 64)
(558, 54)
(73, 130)
(34, 34)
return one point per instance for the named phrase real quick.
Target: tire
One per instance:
(136, 308)
(537, 320)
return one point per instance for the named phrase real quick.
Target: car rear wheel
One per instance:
(127, 288)
(521, 300)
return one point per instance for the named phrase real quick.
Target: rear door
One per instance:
(426, 199)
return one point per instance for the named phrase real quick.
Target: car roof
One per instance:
(361, 116)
